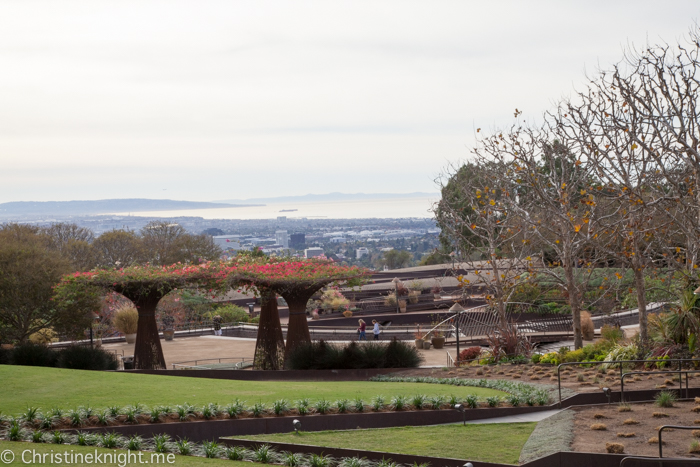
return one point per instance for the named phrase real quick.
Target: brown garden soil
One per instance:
(577, 379)
(637, 430)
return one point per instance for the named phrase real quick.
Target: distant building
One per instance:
(312, 252)
(282, 238)
(297, 240)
(362, 251)
(227, 242)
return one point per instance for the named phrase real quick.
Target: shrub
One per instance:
(665, 398)
(323, 356)
(599, 427)
(624, 407)
(614, 448)
(229, 314)
(630, 421)
(612, 334)
(626, 435)
(77, 357)
(469, 353)
(535, 358)
(587, 327)
(694, 447)
(126, 319)
(34, 355)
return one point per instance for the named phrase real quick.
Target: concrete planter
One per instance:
(130, 338)
(169, 334)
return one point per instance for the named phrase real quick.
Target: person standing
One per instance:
(217, 325)
(376, 330)
(362, 329)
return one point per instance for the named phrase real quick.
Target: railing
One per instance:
(450, 360)
(667, 372)
(620, 362)
(475, 323)
(238, 364)
(674, 427)
(653, 461)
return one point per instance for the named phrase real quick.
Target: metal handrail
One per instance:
(668, 461)
(450, 360)
(441, 324)
(679, 360)
(665, 372)
(675, 427)
(218, 360)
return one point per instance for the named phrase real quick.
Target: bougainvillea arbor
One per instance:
(296, 281)
(145, 286)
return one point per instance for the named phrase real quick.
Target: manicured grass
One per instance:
(493, 442)
(17, 448)
(46, 388)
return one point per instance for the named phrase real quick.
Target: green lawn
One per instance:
(18, 448)
(46, 388)
(494, 442)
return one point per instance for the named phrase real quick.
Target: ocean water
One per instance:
(358, 209)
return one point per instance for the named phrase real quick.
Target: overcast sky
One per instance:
(208, 100)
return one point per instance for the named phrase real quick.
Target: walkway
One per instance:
(185, 349)
(522, 418)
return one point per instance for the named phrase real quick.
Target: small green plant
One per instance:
(210, 411)
(114, 411)
(211, 449)
(88, 411)
(45, 422)
(292, 459)
(14, 433)
(131, 413)
(184, 448)
(76, 417)
(542, 399)
(258, 409)
(161, 443)
(236, 453)
(31, 414)
(387, 463)
(103, 418)
(183, 412)
(235, 409)
(378, 403)
(343, 405)
(55, 413)
(352, 462)
(319, 461)
(513, 400)
(155, 414)
(135, 443)
(81, 439)
(59, 437)
(398, 402)
(437, 402)
(665, 399)
(359, 404)
(472, 401)
(264, 454)
(453, 400)
(303, 406)
(110, 440)
(493, 401)
(418, 401)
(38, 437)
(322, 406)
(280, 406)
(624, 407)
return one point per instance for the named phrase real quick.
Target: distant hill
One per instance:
(103, 206)
(330, 197)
